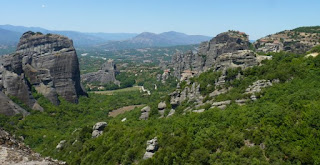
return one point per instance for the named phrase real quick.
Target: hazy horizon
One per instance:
(256, 18)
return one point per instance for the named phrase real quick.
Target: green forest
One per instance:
(282, 125)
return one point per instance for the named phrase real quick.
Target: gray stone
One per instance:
(106, 74)
(49, 63)
(145, 113)
(100, 126)
(225, 43)
(61, 144)
(56, 55)
(199, 111)
(171, 113)
(152, 147)
(162, 105)
(221, 104)
(9, 108)
(98, 129)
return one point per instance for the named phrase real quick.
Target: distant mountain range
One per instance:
(9, 35)
(147, 39)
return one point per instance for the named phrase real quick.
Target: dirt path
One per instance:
(122, 110)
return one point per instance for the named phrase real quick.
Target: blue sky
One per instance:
(207, 17)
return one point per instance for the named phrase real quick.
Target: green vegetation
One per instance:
(283, 124)
(308, 29)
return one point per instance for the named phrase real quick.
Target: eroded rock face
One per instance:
(257, 86)
(48, 63)
(238, 59)
(289, 41)
(229, 43)
(51, 63)
(9, 108)
(106, 74)
(152, 147)
(191, 93)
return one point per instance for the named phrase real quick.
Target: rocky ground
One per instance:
(14, 152)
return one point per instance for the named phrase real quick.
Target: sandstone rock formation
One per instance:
(231, 43)
(221, 104)
(9, 108)
(295, 41)
(188, 93)
(98, 129)
(13, 151)
(161, 108)
(51, 64)
(152, 147)
(256, 87)
(145, 113)
(48, 63)
(106, 74)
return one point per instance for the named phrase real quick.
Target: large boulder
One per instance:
(152, 147)
(98, 129)
(145, 113)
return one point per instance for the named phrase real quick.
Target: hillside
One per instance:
(147, 39)
(298, 40)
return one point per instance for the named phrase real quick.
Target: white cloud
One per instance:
(43, 6)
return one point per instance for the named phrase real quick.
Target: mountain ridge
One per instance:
(148, 39)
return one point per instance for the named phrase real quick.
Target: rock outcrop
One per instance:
(191, 93)
(13, 151)
(221, 104)
(152, 147)
(9, 108)
(145, 113)
(295, 41)
(51, 64)
(232, 44)
(161, 108)
(106, 74)
(256, 87)
(98, 129)
(47, 63)
(61, 144)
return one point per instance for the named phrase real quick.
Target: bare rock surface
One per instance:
(14, 152)
(98, 129)
(221, 104)
(48, 63)
(106, 74)
(152, 147)
(9, 108)
(232, 46)
(145, 113)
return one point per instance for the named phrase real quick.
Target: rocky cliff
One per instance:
(106, 74)
(298, 40)
(222, 48)
(45, 63)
